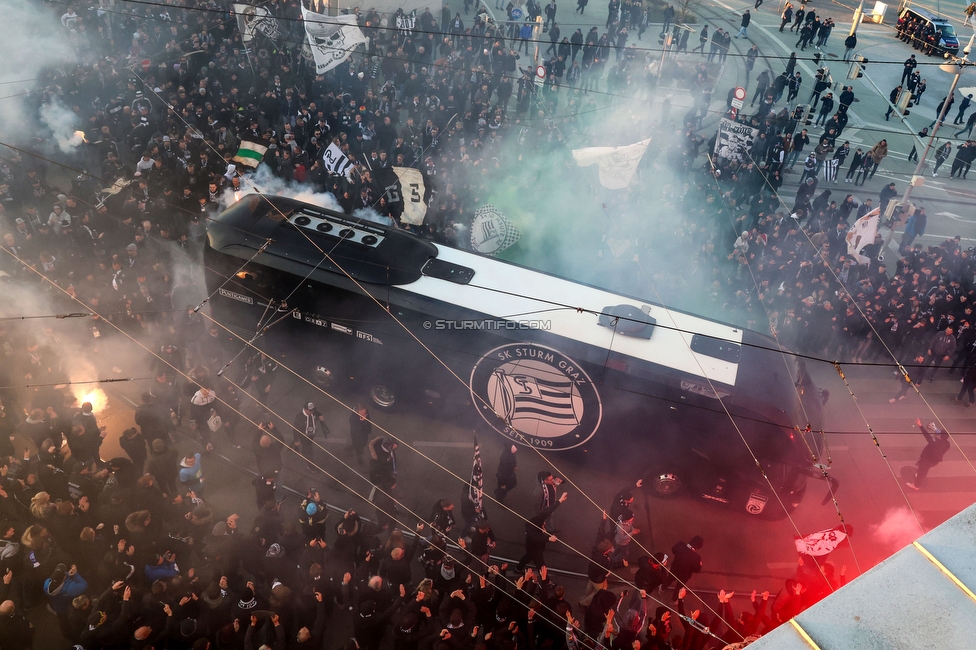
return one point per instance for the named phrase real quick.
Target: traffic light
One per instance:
(804, 114)
(857, 67)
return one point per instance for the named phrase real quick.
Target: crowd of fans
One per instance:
(128, 553)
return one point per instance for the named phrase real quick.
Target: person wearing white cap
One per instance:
(309, 423)
(932, 453)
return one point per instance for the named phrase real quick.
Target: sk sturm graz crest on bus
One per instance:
(536, 396)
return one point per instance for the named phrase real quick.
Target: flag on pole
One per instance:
(476, 485)
(491, 231)
(331, 38)
(405, 189)
(617, 164)
(251, 20)
(336, 162)
(863, 233)
(830, 169)
(251, 152)
(822, 542)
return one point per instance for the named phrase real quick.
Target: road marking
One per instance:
(126, 399)
(449, 445)
(954, 217)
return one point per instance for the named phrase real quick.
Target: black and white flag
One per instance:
(331, 38)
(335, 161)
(406, 193)
(406, 22)
(252, 20)
(476, 485)
(734, 141)
(830, 169)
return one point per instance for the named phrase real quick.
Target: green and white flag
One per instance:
(251, 153)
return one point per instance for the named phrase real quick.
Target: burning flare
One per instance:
(97, 398)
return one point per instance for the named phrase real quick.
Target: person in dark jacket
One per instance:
(536, 537)
(940, 350)
(382, 463)
(133, 443)
(506, 473)
(968, 386)
(370, 624)
(308, 424)
(359, 429)
(598, 570)
(932, 453)
(651, 573)
(687, 562)
(16, 632)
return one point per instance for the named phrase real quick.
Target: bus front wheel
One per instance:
(665, 483)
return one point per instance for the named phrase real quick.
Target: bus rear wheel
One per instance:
(383, 396)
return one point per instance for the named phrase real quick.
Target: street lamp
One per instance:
(956, 66)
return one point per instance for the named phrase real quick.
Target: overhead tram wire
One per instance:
(726, 411)
(343, 463)
(814, 457)
(80, 382)
(537, 41)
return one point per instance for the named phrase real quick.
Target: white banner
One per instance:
(256, 19)
(734, 141)
(335, 161)
(617, 164)
(863, 233)
(822, 542)
(331, 38)
(413, 190)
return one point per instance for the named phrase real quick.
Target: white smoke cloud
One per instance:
(264, 182)
(63, 123)
(33, 40)
(896, 529)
